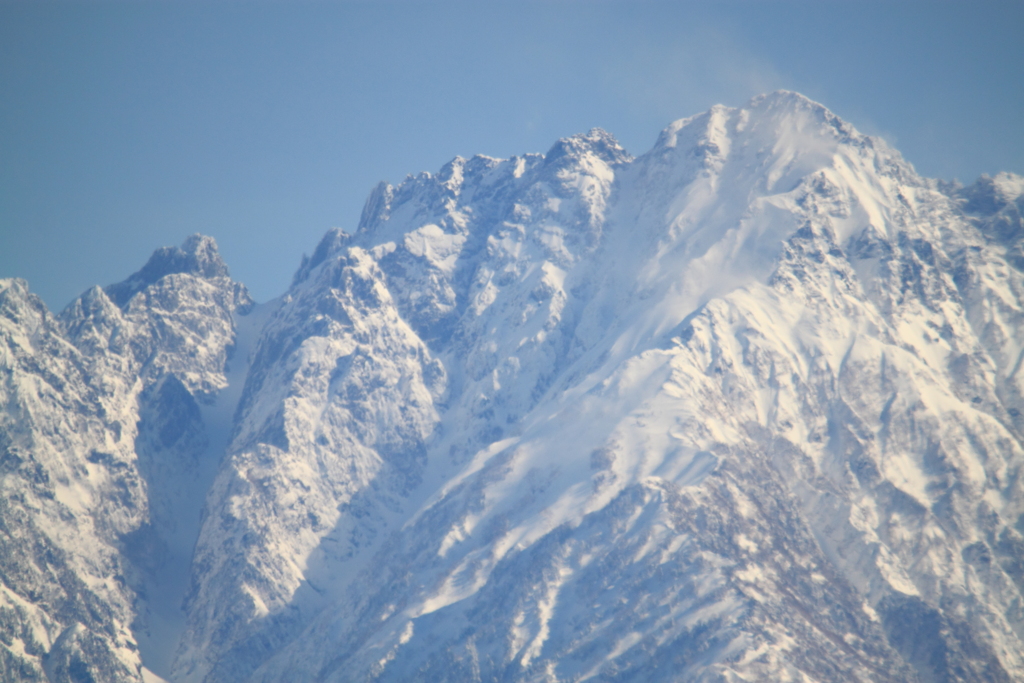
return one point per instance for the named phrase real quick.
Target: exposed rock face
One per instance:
(747, 407)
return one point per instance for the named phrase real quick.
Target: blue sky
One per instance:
(127, 126)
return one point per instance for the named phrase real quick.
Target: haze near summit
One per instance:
(126, 127)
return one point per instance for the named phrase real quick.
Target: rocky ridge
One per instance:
(102, 435)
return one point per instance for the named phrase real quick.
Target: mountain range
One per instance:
(748, 407)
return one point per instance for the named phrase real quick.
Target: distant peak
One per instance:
(596, 141)
(202, 256)
(786, 103)
(198, 255)
(14, 285)
(783, 98)
(377, 206)
(989, 195)
(669, 136)
(16, 300)
(331, 244)
(1009, 185)
(771, 113)
(13, 289)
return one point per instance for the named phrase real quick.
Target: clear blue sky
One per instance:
(127, 126)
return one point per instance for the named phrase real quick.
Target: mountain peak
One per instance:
(784, 98)
(329, 245)
(596, 141)
(198, 255)
(747, 407)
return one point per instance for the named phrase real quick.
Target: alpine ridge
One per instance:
(748, 407)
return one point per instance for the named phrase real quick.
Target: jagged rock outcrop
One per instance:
(102, 440)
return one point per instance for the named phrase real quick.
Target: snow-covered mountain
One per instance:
(746, 407)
